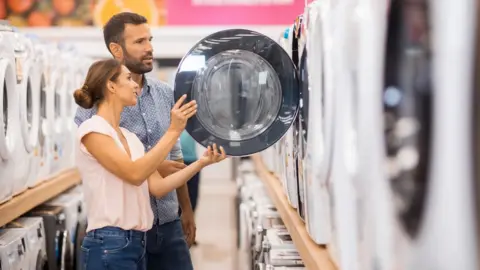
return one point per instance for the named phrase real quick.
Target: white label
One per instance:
(262, 77)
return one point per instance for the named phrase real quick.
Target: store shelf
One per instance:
(29, 199)
(168, 42)
(314, 256)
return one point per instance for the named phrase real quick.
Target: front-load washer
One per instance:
(47, 113)
(29, 97)
(242, 66)
(57, 98)
(374, 205)
(448, 208)
(36, 249)
(13, 249)
(56, 234)
(317, 202)
(81, 226)
(22, 158)
(9, 111)
(73, 208)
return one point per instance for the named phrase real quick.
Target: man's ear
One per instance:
(116, 50)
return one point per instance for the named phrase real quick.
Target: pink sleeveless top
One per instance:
(110, 200)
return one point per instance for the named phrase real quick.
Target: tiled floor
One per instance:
(216, 233)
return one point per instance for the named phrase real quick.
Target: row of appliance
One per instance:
(382, 160)
(263, 239)
(49, 237)
(36, 109)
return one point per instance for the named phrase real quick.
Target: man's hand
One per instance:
(168, 167)
(189, 227)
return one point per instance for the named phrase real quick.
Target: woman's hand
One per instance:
(212, 155)
(181, 113)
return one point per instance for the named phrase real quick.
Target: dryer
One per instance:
(258, 73)
(29, 97)
(9, 108)
(13, 249)
(56, 234)
(36, 250)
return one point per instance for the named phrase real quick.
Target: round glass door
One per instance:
(407, 109)
(246, 88)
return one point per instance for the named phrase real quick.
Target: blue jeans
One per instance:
(167, 248)
(114, 248)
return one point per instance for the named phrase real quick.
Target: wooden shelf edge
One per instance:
(24, 202)
(315, 257)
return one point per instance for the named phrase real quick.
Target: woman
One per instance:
(117, 175)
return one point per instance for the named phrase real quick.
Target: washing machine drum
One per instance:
(407, 107)
(246, 88)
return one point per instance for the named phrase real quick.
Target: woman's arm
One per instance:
(104, 149)
(160, 186)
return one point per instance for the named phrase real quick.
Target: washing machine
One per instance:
(57, 98)
(29, 97)
(450, 147)
(13, 249)
(258, 74)
(75, 222)
(374, 203)
(21, 156)
(316, 194)
(476, 131)
(81, 227)
(56, 234)
(45, 149)
(9, 108)
(36, 249)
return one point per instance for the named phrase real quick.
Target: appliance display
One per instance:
(258, 73)
(81, 226)
(9, 111)
(36, 251)
(56, 234)
(13, 249)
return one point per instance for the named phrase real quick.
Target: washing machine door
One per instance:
(246, 88)
(8, 107)
(407, 110)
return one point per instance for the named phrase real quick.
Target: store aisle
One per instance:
(215, 219)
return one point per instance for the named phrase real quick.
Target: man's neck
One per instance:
(138, 78)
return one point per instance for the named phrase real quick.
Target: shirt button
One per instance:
(143, 114)
(149, 131)
(149, 146)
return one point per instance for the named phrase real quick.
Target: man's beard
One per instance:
(136, 66)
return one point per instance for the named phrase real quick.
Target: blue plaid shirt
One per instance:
(149, 120)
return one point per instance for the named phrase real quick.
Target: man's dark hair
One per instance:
(115, 27)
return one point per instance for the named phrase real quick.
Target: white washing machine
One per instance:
(36, 249)
(21, 157)
(374, 201)
(28, 74)
(13, 249)
(45, 134)
(56, 98)
(9, 129)
(449, 205)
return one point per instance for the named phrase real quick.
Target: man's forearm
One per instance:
(183, 196)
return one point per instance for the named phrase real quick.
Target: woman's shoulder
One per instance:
(94, 124)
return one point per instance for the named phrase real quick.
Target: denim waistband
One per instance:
(116, 232)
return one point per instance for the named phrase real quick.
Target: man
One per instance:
(128, 38)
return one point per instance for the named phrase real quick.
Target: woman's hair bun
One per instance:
(83, 98)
